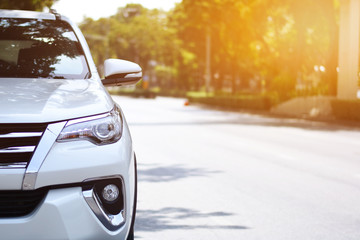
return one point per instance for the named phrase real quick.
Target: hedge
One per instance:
(253, 102)
(346, 109)
(137, 93)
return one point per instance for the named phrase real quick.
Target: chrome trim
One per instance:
(13, 165)
(21, 134)
(24, 149)
(110, 221)
(46, 142)
(87, 119)
(134, 75)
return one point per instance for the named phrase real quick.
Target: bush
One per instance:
(254, 102)
(346, 109)
(172, 93)
(137, 93)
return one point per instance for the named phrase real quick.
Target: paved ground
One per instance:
(207, 175)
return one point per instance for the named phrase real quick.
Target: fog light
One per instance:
(110, 193)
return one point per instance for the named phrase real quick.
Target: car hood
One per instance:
(50, 100)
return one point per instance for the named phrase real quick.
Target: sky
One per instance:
(76, 10)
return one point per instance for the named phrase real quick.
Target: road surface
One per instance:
(207, 174)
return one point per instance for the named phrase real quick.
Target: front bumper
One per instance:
(64, 214)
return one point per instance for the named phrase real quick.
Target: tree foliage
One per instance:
(141, 35)
(269, 44)
(283, 46)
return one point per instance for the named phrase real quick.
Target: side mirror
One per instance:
(121, 72)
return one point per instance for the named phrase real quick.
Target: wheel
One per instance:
(131, 232)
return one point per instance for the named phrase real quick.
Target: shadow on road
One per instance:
(169, 218)
(171, 173)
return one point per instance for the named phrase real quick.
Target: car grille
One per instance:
(18, 143)
(19, 203)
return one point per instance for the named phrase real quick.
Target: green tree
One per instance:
(137, 34)
(258, 45)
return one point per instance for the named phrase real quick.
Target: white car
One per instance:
(67, 166)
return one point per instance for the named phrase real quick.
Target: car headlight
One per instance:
(101, 129)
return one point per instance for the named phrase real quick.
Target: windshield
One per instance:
(31, 48)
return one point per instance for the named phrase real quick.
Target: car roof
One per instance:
(26, 14)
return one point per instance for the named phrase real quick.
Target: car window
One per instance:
(32, 48)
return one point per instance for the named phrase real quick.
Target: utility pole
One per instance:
(349, 49)
(208, 60)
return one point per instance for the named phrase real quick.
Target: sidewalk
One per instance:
(316, 109)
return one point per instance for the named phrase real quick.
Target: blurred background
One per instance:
(275, 49)
(246, 121)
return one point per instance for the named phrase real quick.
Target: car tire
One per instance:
(131, 232)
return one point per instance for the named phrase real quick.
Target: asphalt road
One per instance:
(207, 174)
